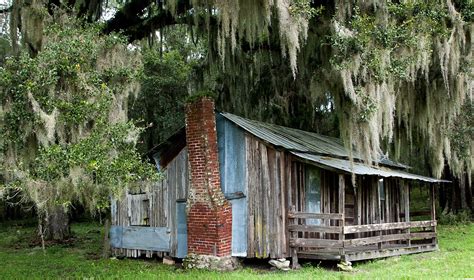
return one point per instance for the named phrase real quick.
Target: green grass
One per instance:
(21, 258)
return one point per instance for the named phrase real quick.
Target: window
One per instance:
(139, 211)
(313, 193)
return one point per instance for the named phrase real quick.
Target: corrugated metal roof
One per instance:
(325, 151)
(362, 169)
(299, 140)
(289, 138)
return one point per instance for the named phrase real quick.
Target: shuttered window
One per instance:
(139, 209)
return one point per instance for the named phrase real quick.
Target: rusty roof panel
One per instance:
(362, 169)
(299, 140)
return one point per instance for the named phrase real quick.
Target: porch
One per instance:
(358, 231)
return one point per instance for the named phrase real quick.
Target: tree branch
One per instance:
(131, 19)
(6, 10)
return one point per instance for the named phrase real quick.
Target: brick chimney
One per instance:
(209, 213)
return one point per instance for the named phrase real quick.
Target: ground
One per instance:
(21, 257)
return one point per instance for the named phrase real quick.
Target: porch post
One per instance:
(359, 206)
(433, 209)
(379, 211)
(406, 195)
(294, 250)
(342, 198)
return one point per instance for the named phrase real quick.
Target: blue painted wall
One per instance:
(182, 246)
(143, 238)
(231, 145)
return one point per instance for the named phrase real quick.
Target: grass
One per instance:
(22, 258)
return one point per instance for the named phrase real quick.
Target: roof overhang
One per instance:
(362, 169)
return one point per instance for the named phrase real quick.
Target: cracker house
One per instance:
(243, 188)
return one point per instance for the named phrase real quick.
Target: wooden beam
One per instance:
(422, 235)
(365, 255)
(379, 209)
(433, 209)
(359, 206)
(342, 202)
(320, 256)
(303, 215)
(302, 242)
(293, 249)
(387, 226)
(311, 228)
(376, 239)
(387, 185)
(406, 198)
(373, 201)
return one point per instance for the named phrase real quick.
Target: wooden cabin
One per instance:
(291, 194)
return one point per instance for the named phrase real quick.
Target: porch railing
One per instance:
(332, 238)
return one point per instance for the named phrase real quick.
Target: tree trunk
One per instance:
(106, 245)
(469, 199)
(456, 196)
(56, 224)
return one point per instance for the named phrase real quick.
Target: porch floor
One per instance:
(366, 252)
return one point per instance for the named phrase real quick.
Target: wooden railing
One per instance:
(332, 236)
(297, 239)
(390, 234)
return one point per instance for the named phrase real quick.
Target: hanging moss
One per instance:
(66, 135)
(397, 73)
(393, 54)
(249, 21)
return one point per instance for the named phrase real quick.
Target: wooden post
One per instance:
(342, 202)
(433, 209)
(326, 202)
(406, 196)
(359, 207)
(379, 210)
(389, 199)
(294, 250)
(373, 201)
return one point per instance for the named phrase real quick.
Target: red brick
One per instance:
(209, 221)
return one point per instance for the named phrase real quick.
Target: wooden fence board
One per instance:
(313, 228)
(387, 226)
(375, 239)
(302, 215)
(302, 242)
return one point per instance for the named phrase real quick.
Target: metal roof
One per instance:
(300, 140)
(324, 151)
(362, 169)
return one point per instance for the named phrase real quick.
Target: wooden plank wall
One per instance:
(350, 204)
(329, 192)
(392, 200)
(267, 183)
(366, 206)
(329, 187)
(155, 207)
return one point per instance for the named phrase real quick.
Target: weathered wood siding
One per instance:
(267, 178)
(372, 206)
(159, 208)
(329, 187)
(350, 204)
